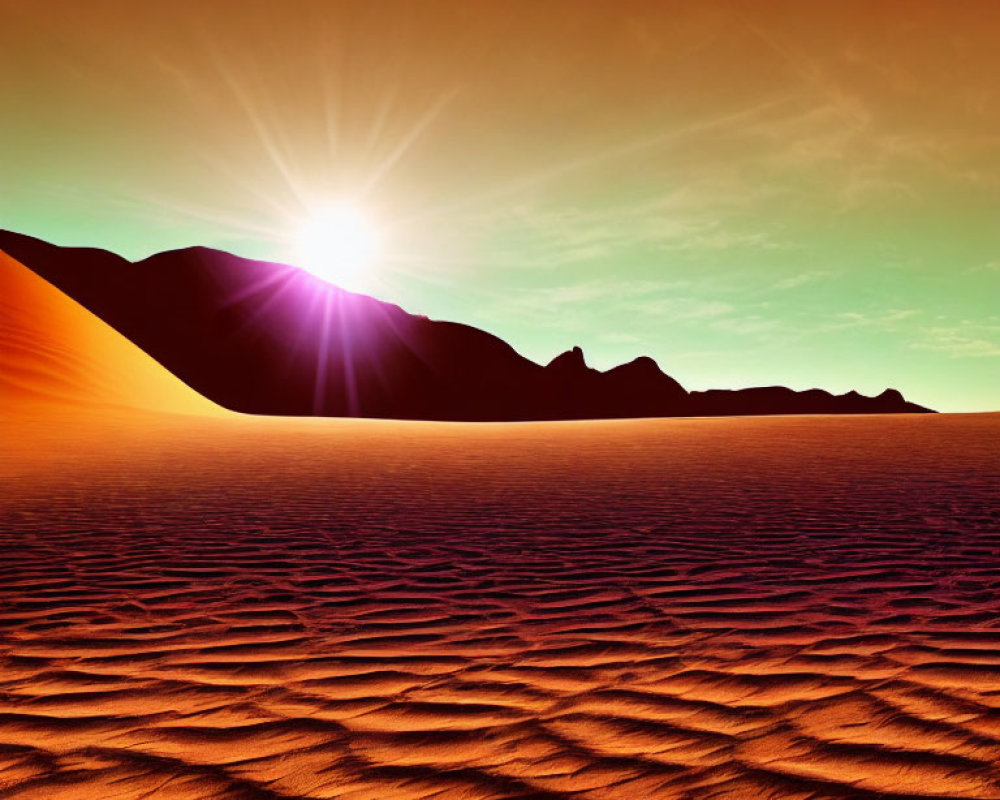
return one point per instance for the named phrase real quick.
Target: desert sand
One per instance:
(198, 604)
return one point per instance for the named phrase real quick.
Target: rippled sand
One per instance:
(719, 608)
(203, 605)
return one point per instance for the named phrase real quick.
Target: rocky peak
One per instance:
(570, 360)
(891, 395)
(643, 365)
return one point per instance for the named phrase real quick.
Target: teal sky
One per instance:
(762, 193)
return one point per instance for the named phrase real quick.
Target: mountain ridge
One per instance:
(268, 338)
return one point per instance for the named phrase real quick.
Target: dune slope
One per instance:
(69, 383)
(53, 352)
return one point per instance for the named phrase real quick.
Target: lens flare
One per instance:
(337, 243)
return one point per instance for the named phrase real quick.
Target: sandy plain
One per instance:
(204, 605)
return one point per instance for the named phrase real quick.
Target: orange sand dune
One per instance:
(66, 377)
(55, 354)
(216, 606)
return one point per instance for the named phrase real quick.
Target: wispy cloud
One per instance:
(754, 325)
(585, 292)
(885, 320)
(541, 235)
(625, 310)
(684, 308)
(803, 278)
(968, 340)
(988, 266)
(616, 337)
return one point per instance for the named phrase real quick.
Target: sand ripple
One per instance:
(785, 608)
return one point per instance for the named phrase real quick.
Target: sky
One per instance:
(753, 193)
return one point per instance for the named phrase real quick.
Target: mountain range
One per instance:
(266, 338)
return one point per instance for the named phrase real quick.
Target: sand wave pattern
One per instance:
(782, 608)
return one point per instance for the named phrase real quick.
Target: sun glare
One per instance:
(337, 244)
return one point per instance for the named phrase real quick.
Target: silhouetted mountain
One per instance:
(781, 400)
(268, 338)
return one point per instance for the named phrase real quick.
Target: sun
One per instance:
(337, 243)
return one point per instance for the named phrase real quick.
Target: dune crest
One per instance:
(56, 355)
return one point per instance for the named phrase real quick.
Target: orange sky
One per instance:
(751, 192)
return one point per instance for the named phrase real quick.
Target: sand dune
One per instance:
(718, 608)
(58, 354)
(70, 382)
